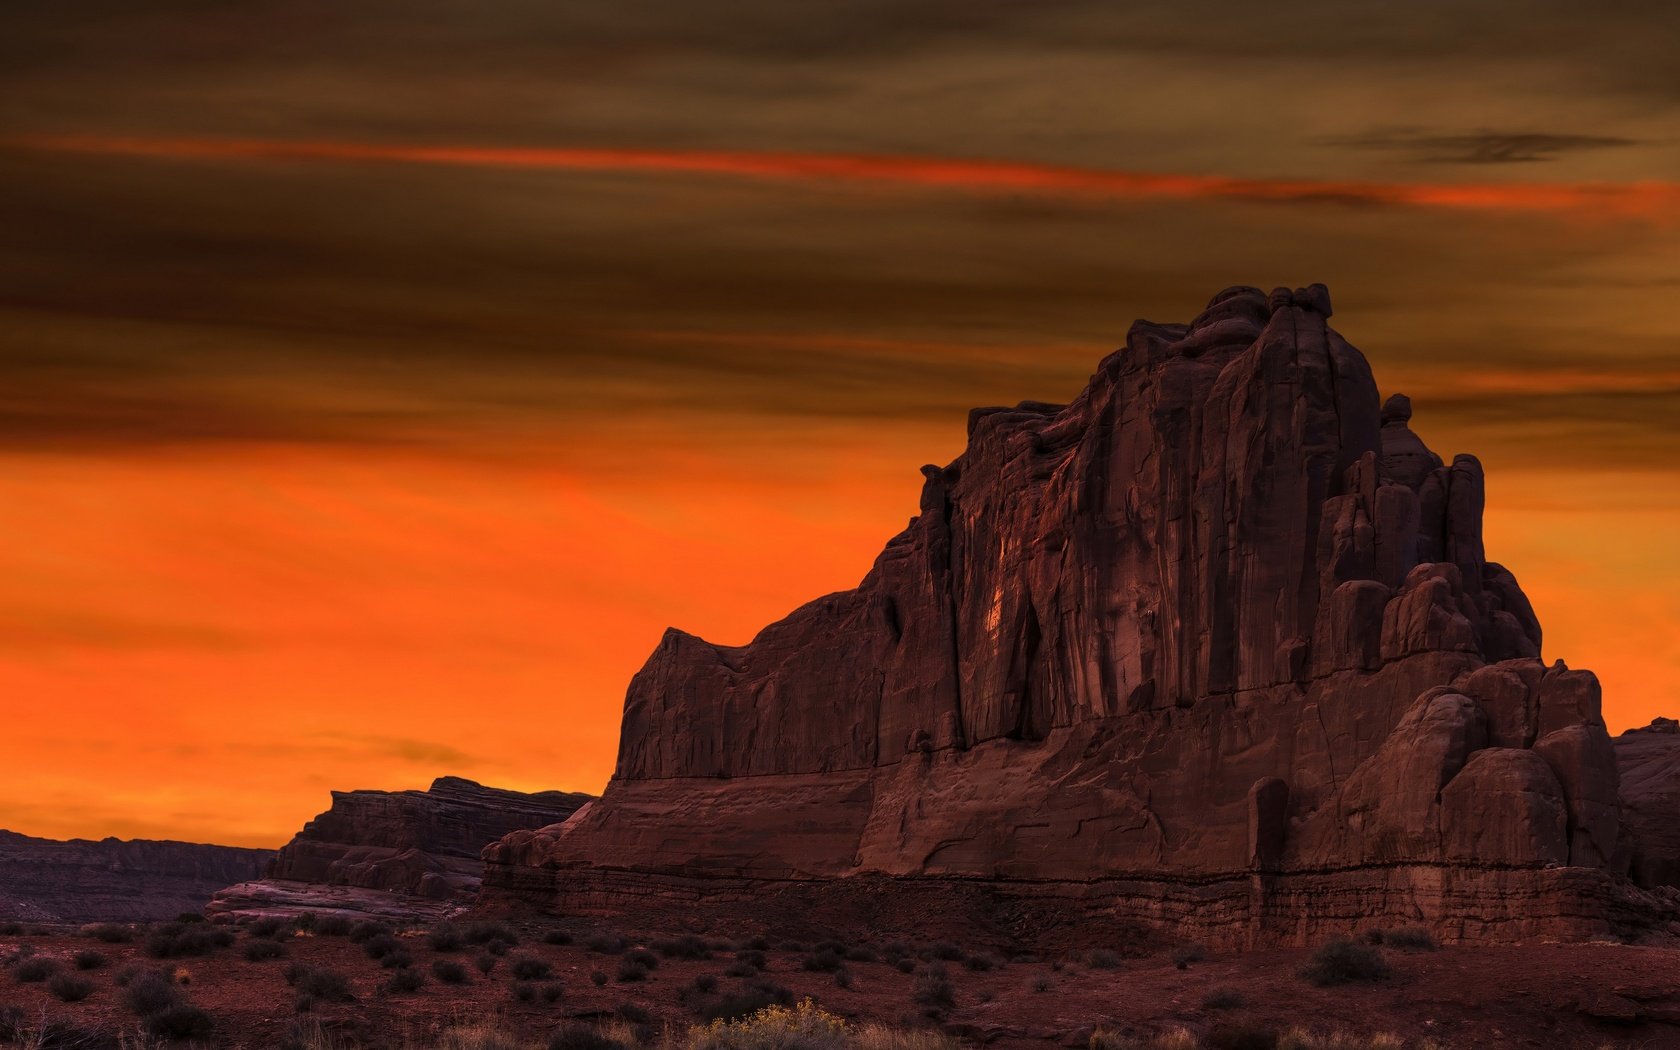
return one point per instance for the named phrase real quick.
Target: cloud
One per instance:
(1479, 147)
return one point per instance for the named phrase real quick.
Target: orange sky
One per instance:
(382, 380)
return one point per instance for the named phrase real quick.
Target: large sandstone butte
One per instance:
(403, 854)
(115, 880)
(1215, 647)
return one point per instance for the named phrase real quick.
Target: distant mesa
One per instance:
(112, 880)
(1215, 648)
(395, 854)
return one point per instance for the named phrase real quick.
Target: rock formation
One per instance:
(411, 854)
(112, 880)
(1648, 761)
(1215, 647)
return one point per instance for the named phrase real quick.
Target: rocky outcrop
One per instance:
(1648, 761)
(1215, 646)
(113, 880)
(394, 853)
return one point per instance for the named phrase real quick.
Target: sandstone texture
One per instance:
(400, 854)
(1648, 761)
(112, 880)
(1215, 647)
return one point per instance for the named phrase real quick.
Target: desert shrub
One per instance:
(859, 953)
(404, 981)
(524, 992)
(180, 1021)
(70, 987)
(485, 963)
(176, 940)
(380, 945)
(1042, 983)
(759, 944)
(1301, 1039)
(1102, 959)
(530, 968)
(947, 951)
(1172, 1039)
(445, 937)
(980, 963)
(598, 979)
(11, 929)
(792, 946)
(605, 944)
(1413, 937)
(553, 991)
(753, 957)
(560, 937)
(1224, 999)
(487, 933)
(741, 969)
(687, 946)
(842, 978)
(35, 969)
(705, 984)
(88, 960)
(824, 961)
(801, 1027)
(743, 1004)
(368, 929)
(270, 926)
(397, 960)
(633, 1013)
(263, 951)
(905, 965)
(1242, 1037)
(934, 989)
(1185, 954)
(187, 918)
(111, 933)
(149, 992)
(318, 982)
(575, 1035)
(448, 971)
(644, 957)
(331, 926)
(305, 920)
(630, 971)
(1342, 961)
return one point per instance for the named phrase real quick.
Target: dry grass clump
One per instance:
(1301, 1039)
(1344, 961)
(803, 1026)
(1172, 1039)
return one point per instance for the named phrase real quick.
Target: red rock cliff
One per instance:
(1216, 643)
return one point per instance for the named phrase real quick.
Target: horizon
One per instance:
(378, 401)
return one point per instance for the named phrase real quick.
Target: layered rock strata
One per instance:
(394, 853)
(113, 880)
(1216, 647)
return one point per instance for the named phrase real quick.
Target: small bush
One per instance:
(69, 987)
(525, 993)
(487, 933)
(598, 979)
(88, 960)
(905, 965)
(1042, 983)
(177, 940)
(1343, 961)
(1102, 959)
(605, 944)
(934, 989)
(187, 918)
(305, 921)
(1224, 999)
(947, 951)
(705, 984)
(1186, 954)
(560, 937)
(980, 963)
(1242, 1037)
(803, 1027)
(150, 992)
(380, 945)
(180, 1021)
(35, 969)
(825, 961)
(687, 946)
(633, 1013)
(530, 968)
(859, 953)
(644, 958)
(448, 971)
(11, 929)
(331, 926)
(744, 1004)
(485, 963)
(404, 981)
(317, 982)
(1415, 938)
(111, 933)
(753, 957)
(842, 978)
(445, 937)
(741, 969)
(397, 960)
(552, 991)
(630, 971)
(263, 951)
(271, 926)
(575, 1035)
(367, 929)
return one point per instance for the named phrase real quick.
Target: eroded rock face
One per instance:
(113, 880)
(394, 853)
(1648, 761)
(1222, 621)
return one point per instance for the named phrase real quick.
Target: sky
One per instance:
(381, 379)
